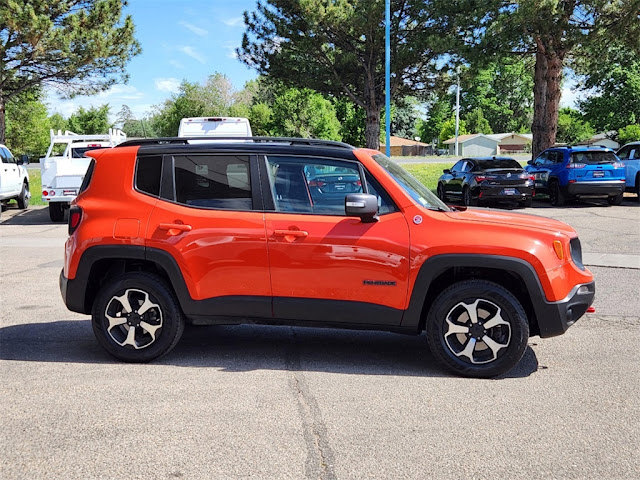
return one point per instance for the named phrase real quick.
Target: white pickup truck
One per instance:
(64, 166)
(14, 179)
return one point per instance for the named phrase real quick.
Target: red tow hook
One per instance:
(591, 310)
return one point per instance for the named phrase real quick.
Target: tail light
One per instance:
(482, 178)
(576, 165)
(45, 193)
(75, 217)
(618, 165)
(532, 178)
(317, 183)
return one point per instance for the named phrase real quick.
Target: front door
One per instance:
(326, 267)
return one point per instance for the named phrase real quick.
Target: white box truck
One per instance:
(63, 167)
(214, 127)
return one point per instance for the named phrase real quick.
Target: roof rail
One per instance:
(284, 140)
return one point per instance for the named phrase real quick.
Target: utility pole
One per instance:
(387, 76)
(457, 107)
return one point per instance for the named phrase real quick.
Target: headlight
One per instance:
(576, 252)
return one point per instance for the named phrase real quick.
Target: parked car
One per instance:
(474, 181)
(565, 173)
(14, 179)
(629, 155)
(165, 232)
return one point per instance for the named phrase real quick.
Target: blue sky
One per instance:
(180, 40)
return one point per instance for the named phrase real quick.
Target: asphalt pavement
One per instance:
(280, 402)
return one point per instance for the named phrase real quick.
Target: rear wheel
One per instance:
(468, 200)
(616, 199)
(136, 317)
(56, 212)
(23, 198)
(556, 195)
(477, 328)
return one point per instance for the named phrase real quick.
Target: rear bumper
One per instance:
(554, 318)
(606, 188)
(501, 192)
(72, 296)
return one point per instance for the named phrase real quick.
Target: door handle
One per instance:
(290, 235)
(175, 228)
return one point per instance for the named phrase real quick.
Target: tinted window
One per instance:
(6, 156)
(457, 167)
(556, 157)
(213, 181)
(593, 158)
(541, 160)
(302, 185)
(498, 163)
(86, 180)
(385, 204)
(148, 173)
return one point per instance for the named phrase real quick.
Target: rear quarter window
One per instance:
(148, 174)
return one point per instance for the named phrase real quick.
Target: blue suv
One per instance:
(629, 155)
(572, 172)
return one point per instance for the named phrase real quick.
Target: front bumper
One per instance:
(608, 188)
(554, 318)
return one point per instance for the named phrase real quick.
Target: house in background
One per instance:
(481, 145)
(402, 147)
(603, 140)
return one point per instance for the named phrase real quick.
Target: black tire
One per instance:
(527, 202)
(461, 351)
(637, 190)
(56, 212)
(616, 199)
(23, 198)
(163, 315)
(440, 192)
(467, 199)
(556, 195)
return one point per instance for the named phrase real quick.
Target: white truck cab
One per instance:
(214, 127)
(14, 179)
(64, 166)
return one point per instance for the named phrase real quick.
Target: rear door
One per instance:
(630, 157)
(210, 220)
(326, 267)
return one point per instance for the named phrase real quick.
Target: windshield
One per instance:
(413, 187)
(593, 158)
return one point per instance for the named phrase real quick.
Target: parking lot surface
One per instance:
(282, 402)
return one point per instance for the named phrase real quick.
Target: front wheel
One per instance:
(23, 198)
(440, 192)
(136, 317)
(616, 199)
(556, 195)
(477, 328)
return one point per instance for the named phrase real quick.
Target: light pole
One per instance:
(387, 76)
(457, 107)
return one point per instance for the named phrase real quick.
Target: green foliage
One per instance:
(27, 125)
(503, 91)
(439, 112)
(93, 120)
(630, 133)
(617, 103)
(304, 113)
(336, 49)
(260, 116)
(572, 127)
(57, 122)
(352, 120)
(214, 98)
(476, 122)
(82, 46)
(404, 117)
(133, 127)
(449, 129)
(427, 173)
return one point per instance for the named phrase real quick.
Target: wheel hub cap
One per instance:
(134, 320)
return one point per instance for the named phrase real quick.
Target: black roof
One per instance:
(487, 158)
(248, 145)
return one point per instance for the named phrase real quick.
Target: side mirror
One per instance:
(361, 205)
(530, 162)
(24, 160)
(447, 171)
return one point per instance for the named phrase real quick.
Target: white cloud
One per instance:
(171, 85)
(176, 64)
(124, 92)
(233, 22)
(191, 52)
(230, 47)
(201, 32)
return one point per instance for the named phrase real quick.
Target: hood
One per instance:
(498, 217)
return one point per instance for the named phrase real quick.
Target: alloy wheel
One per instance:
(134, 319)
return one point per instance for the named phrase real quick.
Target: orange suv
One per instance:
(307, 232)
